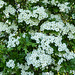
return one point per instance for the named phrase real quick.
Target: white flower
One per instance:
(71, 36)
(9, 9)
(72, 71)
(24, 34)
(60, 61)
(38, 59)
(13, 41)
(69, 55)
(57, 26)
(23, 67)
(26, 73)
(33, 1)
(45, 1)
(56, 17)
(2, 3)
(3, 27)
(58, 67)
(1, 73)
(73, 16)
(48, 73)
(64, 7)
(41, 11)
(10, 64)
(54, 2)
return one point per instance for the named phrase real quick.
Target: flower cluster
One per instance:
(28, 16)
(9, 10)
(33, 1)
(38, 58)
(24, 68)
(73, 16)
(59, 26)
(10, 64)
(2, 3)
(13, 41)
(63, 7)
(48, 73)
(5, 27)
(45, 44)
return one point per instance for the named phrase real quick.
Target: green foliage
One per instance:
(18, 0)
(26, 44)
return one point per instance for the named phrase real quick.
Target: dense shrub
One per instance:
(37, 37)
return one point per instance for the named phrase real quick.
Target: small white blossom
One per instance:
(9, 9)
(38, 58)
(33, 1)
(60, 61)
(64, 7)
(13, 41)
(2, 3)
(73, 16)
(10, 64)
(48, 73)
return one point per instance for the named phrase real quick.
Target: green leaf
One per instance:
(25, 49)
(66, 0)
(18, 0)
(72, 61)
(61, 69)
(19, 47)
(56, 10)
(28, 43)
(36, 69)
(34, 45)
(74, 6)
(27, 39)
